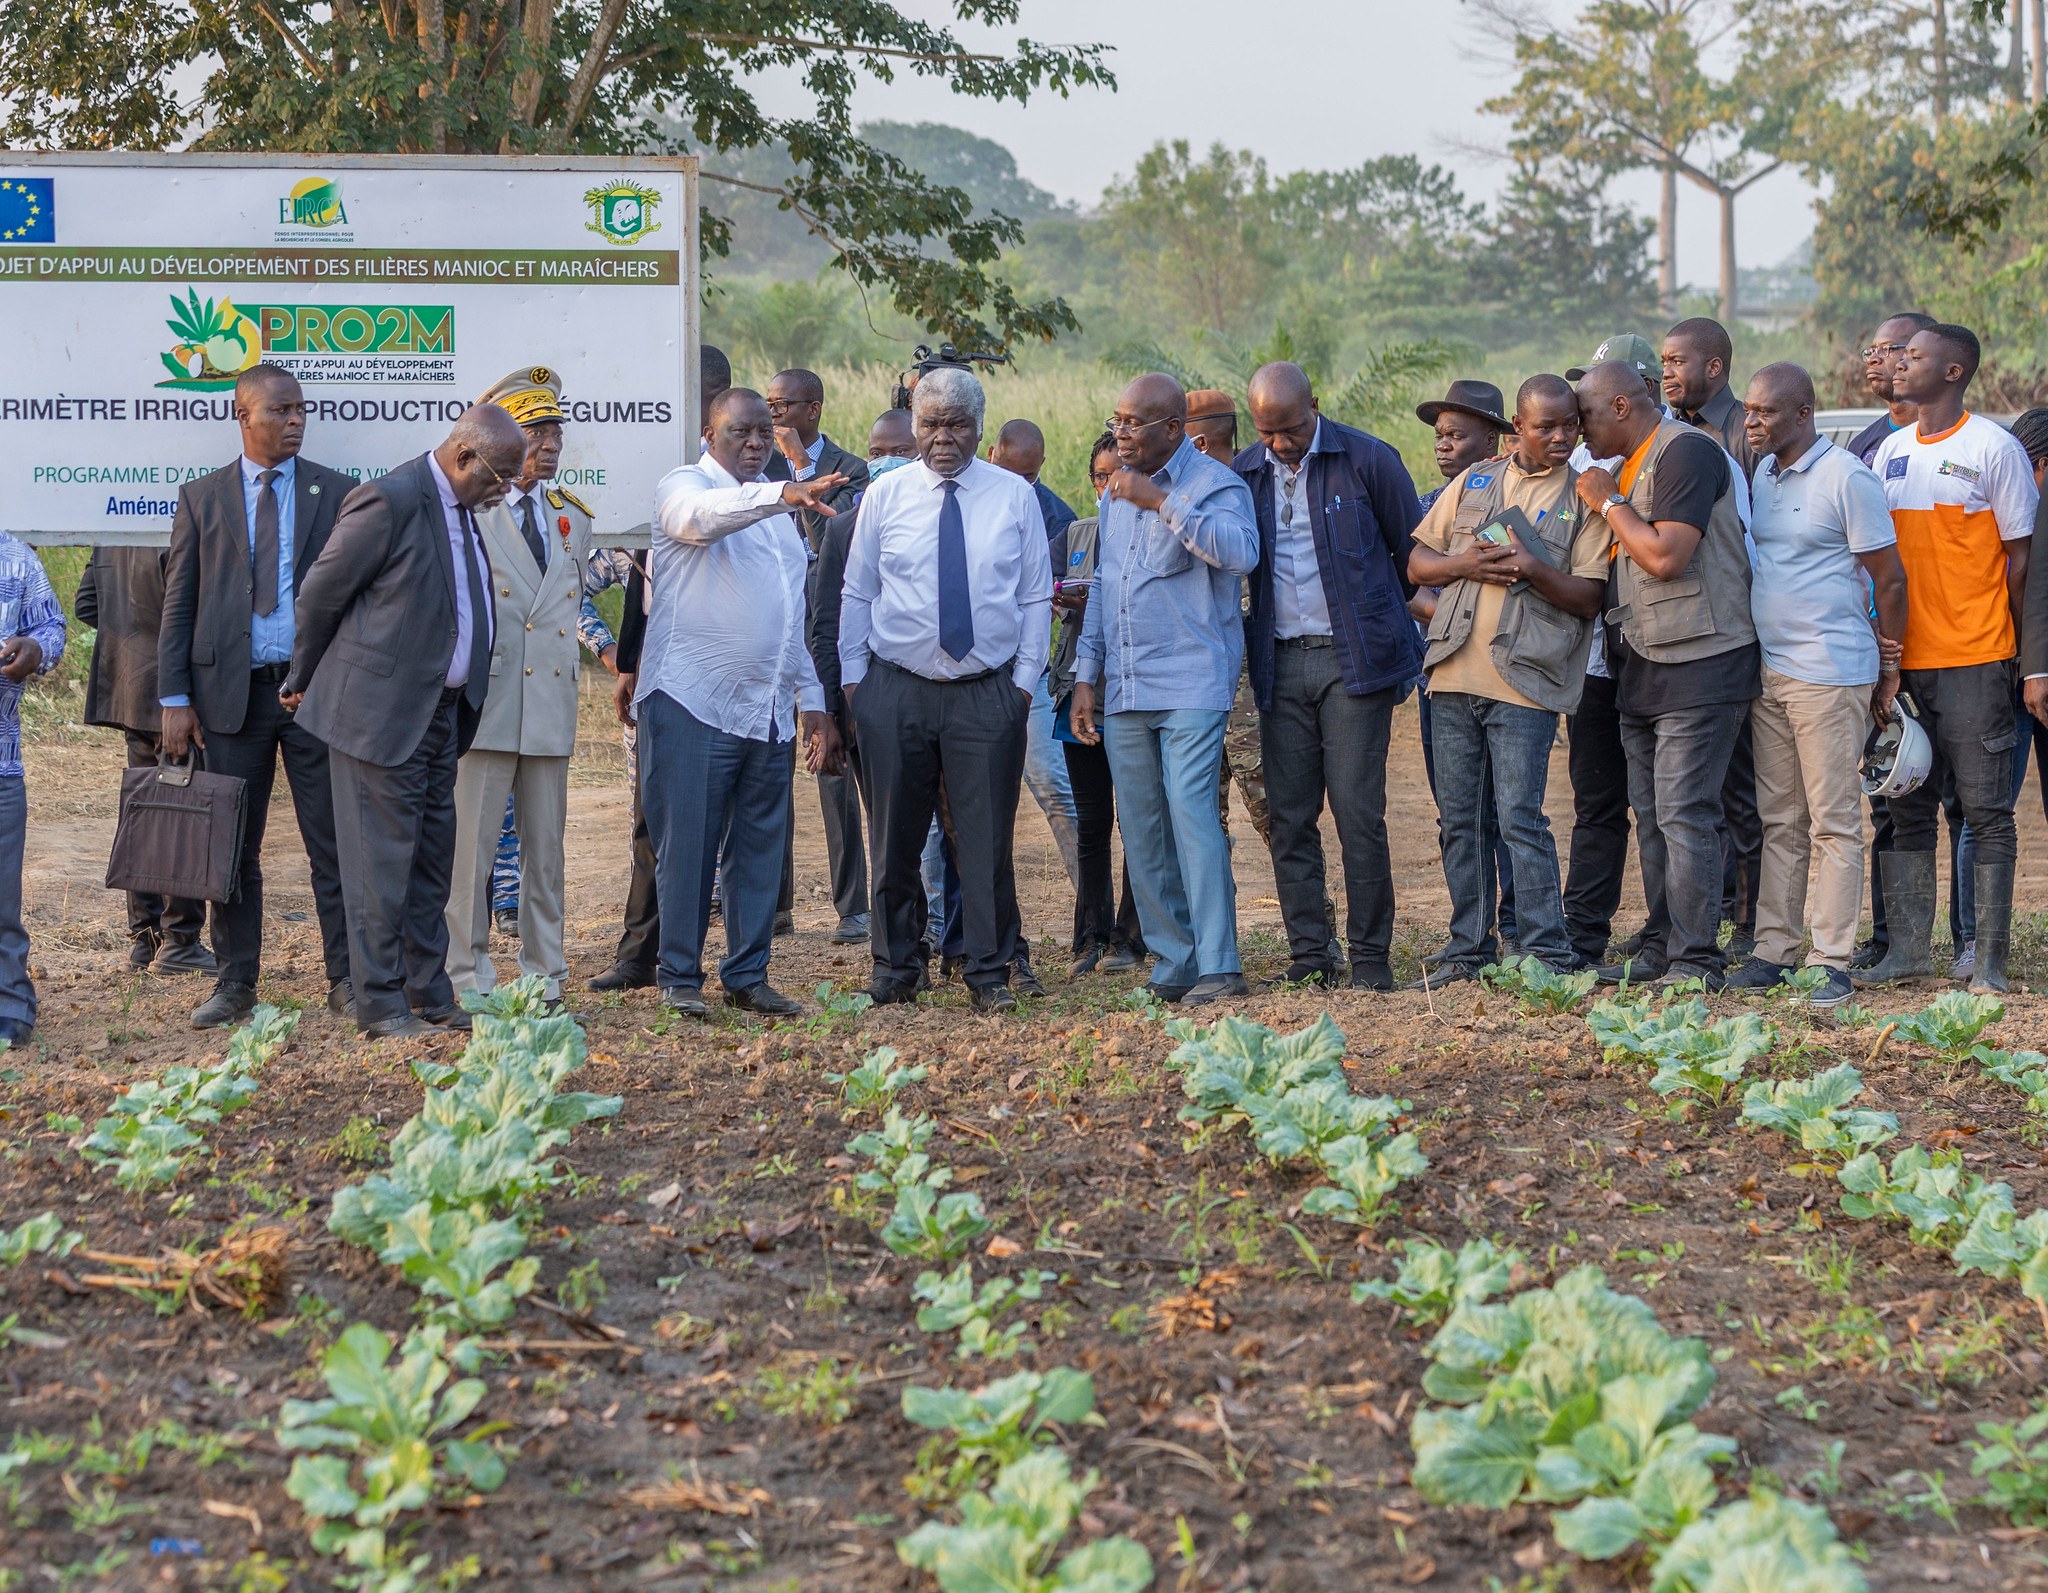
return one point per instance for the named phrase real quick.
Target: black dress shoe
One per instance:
(1446, 973)
(763, 998)
(1023, 981)
(1215, 987)
(1371, 976)
(341, 999)
(785, 924)
(185, 956)
(993, 998)
(888, 993)
(142, 949)
(1642, 968)
(410, 1027)
(623, 976)
(1167, 993)
(451, 1016)
(852, 930)
(685, 1002)
(229, 1004)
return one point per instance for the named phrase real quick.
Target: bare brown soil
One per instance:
(1280, 1439)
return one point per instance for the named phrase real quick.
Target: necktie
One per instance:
(956, 603)
(479, 617)
(529, 527)
(265, 574)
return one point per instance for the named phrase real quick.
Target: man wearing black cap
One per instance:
(1469, 425)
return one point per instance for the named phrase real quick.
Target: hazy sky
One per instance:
(1325, 84)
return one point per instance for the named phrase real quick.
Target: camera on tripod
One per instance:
(923, 359)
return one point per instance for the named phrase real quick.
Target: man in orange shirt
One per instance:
(1963, 499)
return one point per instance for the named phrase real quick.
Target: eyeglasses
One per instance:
(781, 406)
(1876, 349)
(1130, 428)
(496, 479)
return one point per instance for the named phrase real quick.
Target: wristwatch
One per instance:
(1607, 508)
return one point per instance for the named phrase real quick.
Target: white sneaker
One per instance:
(1965, 965)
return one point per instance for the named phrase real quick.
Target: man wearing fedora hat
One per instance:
(538, 540)
(1468, 424)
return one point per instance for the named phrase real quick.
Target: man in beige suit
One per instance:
(539, 544)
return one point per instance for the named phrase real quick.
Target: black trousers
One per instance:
(1742, 835)
(640, 943)
(845, 844)
(915, 732)
(1098, 920)
(168, 918)
(252, 754)
(396, 833)
(1600, 826)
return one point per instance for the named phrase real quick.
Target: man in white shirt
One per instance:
(723, 660)
(944, 628)
(1824, 542)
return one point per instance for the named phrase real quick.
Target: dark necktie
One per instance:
(479, 617)
(956, 602)
(529, 527)
(265, 574)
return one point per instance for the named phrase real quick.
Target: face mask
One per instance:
(886, 463)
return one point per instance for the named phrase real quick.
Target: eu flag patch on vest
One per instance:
(1474, 483)
(28, 210)
(1895, 470)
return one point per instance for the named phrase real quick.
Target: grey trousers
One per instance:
(1676, 765)
(539, 788)
(395, 831)
(1320, 744)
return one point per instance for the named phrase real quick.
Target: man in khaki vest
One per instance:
(1681, 645)
(539, 544)
(1508, 639)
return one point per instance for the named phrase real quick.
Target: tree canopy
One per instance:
(558, 77)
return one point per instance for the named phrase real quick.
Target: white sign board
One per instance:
(398, 289)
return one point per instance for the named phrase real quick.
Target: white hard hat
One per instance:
(1897, 756)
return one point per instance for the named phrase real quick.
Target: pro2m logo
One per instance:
(354, 328)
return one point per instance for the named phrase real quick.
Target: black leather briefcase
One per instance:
(180, 833)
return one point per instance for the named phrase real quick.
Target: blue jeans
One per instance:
(941, 894)
(1485, 748)
(2027, 729)
(701, 785)
(17, 990)
(1500, 868)
(1166, 765)
(1045, 777)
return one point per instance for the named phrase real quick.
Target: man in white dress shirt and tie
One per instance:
(944, 629)
(723, 666)
(538, 540)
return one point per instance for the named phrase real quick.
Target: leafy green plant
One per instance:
(834, 1003)
(148, 1135)
(824, 1396)
(1763, 1542)
(1309, 1118)
(1530, 981)
(1363, 1175)
(929, 1226)
(1007, 1538)
(1930, 1191)
(1432, 1281)
(449, 1256)
(1572, 1393)
(2025, 1071)
(951, 1302)
(1639, 1027)
(379, 1446)
(1816, 1112)
(43, 1234)
(2013, 1461)
(897, 1151)
(582, 1289)
(1002, 1422)
(875, 1083)
(1950, 1022)
(1235, 1058)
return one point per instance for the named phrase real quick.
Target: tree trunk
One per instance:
(536, 27)
(1940, 65)
(1667, 240)
(1727, 198)
(433, 23)
(2037, 77)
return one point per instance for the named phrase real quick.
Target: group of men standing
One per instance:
(1716, 601)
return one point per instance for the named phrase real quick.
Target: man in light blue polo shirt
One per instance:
(1824, 541)
(1159, 655)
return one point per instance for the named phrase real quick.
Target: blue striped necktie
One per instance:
(956, 602)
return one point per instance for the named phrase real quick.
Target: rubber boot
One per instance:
(1994, 928)
(1909, 914)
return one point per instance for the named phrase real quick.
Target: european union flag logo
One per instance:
(28, 210)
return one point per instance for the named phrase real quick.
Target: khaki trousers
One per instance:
(540, 789)
(1809, 750)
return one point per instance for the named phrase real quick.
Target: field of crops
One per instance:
(1511, 1287)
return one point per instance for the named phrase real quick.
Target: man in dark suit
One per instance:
(121, 598)
(391, 667)
(241, 544)
(796, 403)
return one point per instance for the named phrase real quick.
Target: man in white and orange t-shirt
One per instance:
(1963, 498)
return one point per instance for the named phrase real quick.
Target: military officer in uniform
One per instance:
(539, 542)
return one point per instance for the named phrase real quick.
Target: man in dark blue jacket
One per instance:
(1332, 652)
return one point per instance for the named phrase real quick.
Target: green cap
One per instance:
(1637, 351)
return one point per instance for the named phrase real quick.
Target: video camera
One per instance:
(924, 360)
